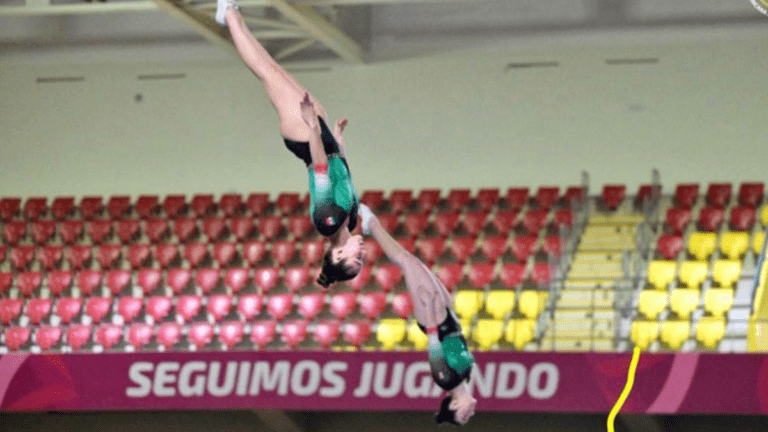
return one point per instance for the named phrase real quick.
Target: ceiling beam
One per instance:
(293, 49)
(201, 22)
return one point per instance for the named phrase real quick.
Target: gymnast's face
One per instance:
(463, 404)
(351, 253)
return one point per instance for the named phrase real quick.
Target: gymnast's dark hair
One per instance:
(446, 414)
(333, 272)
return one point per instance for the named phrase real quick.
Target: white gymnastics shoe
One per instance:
(221, 10)
(367, 215)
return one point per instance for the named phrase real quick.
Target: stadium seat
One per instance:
(42, 231)
(450, 275)
(10, 310)
(718, 301)
(287, 202)
(500, 303)
(47, 337)
(415, 223)
(207, 279)
(158, 307)
(214, 228)
(236, 278)
(263, 333)
(187, 306)
(139, 335)
(734, 244)
(312, 251)
(116, 280)
(702, 244)
(684, 301)
(38, 309)
(242, 227)
(310, 305)
(230, 204)
(427, 199)
(342, 305)
(67, 308)
(481, 274)
(169, 334)
(357, 333)
(468, 303)
(492, 247)
(534, 220)
(764, 216)
(574, 195)
(458, 199)
(487, 198)
(35, 208)
(474, 221)
(138, 254)
(643, 333)
(9, 208)
(613, 195)
(257, 203)
(751, 194)
(408, 243)
(108, 255)
(279, 305)
(282, 251)
(294, 332)
(14, 232)
(167, 254)
(3, 253)
(89, 281)
(669, 245)
(362, 279)
(29, 282)
(148, 279)
(326, 332)
(517, 197)
(374, 199)
(677, 219)
(532, 303)
(219, 306)
(128, 230)
(686, 195)
(417, 337)
(710, 331)
(254, 251)
(175, 206)
(270, 227)
(390, 222)
(196, 253)
(742, 218)
(523, 246)
(224, 253)
(520, 332)
(674, 333)
(373, 304)
(693, 273)
(400, 200)
(661, 273)
(390, 332)
(462, 247)
(129, 308)
(184, 228)
(719, 194)
(541, 274)
(487, 332)
(387, 276)
(547, 196)
(645, 192)
(118, 206)
(299, 226)
(296, 278)
(91, 207)
(553, 245)
(504, 221)
(71, 231)
(430, 249)
(512, 274)
(202, 205)
(147, 206)
(445, 223)
(249, 306)
(22, 256)
(78, 335)
(725, 272)
(402, 305)
(98, 307)
(711, 218)
(58, 281)
(200, 334)
(17, 337)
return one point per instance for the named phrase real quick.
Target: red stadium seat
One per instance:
(169, 334)
(373, 199)
(373, 251)
(677, 219)
(312, 251)
(185, 229)
(390, 222)
(400, 200)
(257, 203)
(487, 198)
(10, 310)
(3, 252)
(148, 279)
(463, 247)
(108, 335)
(493, 247)
(742, 218)
(458, 199)
(534, 220)
(574, 195)
(299, 226)
(118, 206)
(408, 244)
(481, 274)
(613, 195)
(89, 281)
(78, 256)
(128, 230)
(58, 281)
(263, 333)
(187, 306)
(78, 335)
(279, 305)
(719, 194)
(35, 207)
(90, 207)
(342, 305)
(224, 253)
(553, 245)
(108, 255)
(147, 206)
(167, 254)
(47, 337)
(22, 256)
(29, 282)
(98, 307)
(207, 279)
(504, 220)
(270, 227)
(14, 232)
(9, 208)
(430, 249)
(296, 278)
(242, 227)
(294, 332)
(450, 275)
(178, 279)
(17, 337)
(68, 308)
(517, 197)
(415, 223)
(563, 219)
(669, 245)
(710, 218)
(175, 206)
(42, 231)
(140, 335)
(70, 231)
(282, 251)
(196, 253)
(231, 204)
(373, 304)
(474, 221)
(310, 305)
(646, 191)
(202, 205)
(547, 196)
(219, 306)
(200, 334)
(39, 309)
(236, 278)
(287, 202)
(99, 230)
(254, 251)
(266, 278)
(159, 307)
(357, 333)
(231, 333)
(428, 199)
(50, 256)
(751, 194)
(686, 195)
(129, 308)
(387, 276)
(326, 332)
(362, 279)
(402, 305)
(117, 280)
(512, 274)
(214, 228)
(249, 306)
(541, 274)
(138, 254)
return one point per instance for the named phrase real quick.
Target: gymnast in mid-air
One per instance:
(304, 127)
(449, 358)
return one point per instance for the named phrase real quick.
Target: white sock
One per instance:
(221, 10)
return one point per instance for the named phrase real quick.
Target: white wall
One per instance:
(450, 120)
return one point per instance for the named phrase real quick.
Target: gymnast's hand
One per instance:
(340, 125)
(308, 113)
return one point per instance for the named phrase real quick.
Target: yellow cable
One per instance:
(627, 389)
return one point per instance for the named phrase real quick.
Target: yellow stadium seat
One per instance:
(702, 244)
(661, 273)
(650, 303)
(674, 333)
(417, 337)
(764, 215)
(532, 303)
(390, 332)
(487, 332)
(757, 242)
(718, 301)
(644, 332)
(466, 325)
(468, 303)
(726, 272)
(684, 301)
(710, 331)
(734, 244)
(499, 303)
(693, 273)
(520, 332)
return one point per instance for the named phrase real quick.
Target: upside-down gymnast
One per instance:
(304, 127)
(449, 358)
